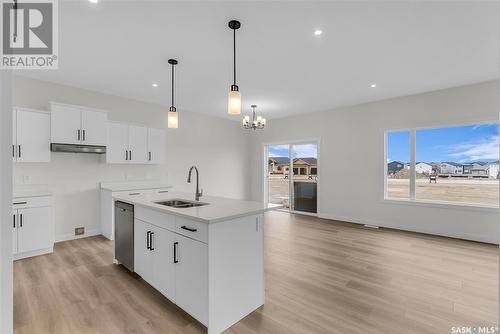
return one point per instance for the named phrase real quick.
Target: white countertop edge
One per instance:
(179, 213)
(136, 187)
(27, 195)
(208, 221)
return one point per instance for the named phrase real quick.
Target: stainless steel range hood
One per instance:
(75, 148)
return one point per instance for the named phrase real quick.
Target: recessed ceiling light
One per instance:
(318, 32)
(373, 85)
(155, 85)
(94, 1)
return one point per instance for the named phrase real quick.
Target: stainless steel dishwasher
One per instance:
(124, 234)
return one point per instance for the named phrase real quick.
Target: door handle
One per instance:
(14, 216)
(151, 247)
(149, 156)
(175, 252)
(126, 155)
(20, 220)
(130, 155)
(19, 150)
(189, 229)
(83, 135)
(147, 240)
(78, 134)
(13, 150)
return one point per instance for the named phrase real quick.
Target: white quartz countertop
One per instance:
(134, 185)
(219, 208)
(30, 193)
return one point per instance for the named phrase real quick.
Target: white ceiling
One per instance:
(405, 47)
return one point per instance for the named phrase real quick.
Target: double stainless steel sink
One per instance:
(181, 203)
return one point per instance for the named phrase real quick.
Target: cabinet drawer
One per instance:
(31, 202)
(192, 229)
(156, 218)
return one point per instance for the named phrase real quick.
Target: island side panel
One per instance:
(236, 270)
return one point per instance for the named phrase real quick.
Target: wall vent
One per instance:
(79, 230)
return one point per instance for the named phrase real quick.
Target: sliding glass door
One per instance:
(292, 176)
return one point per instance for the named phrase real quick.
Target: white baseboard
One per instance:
(33, 253)
(66, 237)
(492, 239)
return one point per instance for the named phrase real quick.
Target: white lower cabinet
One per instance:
(175, 265)
(191, 284)
(33, 227)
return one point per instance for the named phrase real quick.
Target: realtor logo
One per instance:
(29, 34)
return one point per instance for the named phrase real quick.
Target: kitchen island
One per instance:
(205, 256)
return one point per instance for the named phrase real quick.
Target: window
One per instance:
(457, 164)
(398, 157)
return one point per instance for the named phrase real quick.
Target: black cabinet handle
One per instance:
(147, 240)
(19, 150)
(17, 203)
(149, 156)
(14, 220)
(130, 155)
(189, 229)
(151, 247)
(20, 220)
(134, 194)
(175, 252)
(78, 134)
(13, 150)
(83, 135)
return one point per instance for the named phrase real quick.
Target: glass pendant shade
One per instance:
(234, 103)
(173, 119)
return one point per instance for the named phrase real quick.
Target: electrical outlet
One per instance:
(79, 230)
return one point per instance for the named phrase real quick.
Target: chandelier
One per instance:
(257, 121)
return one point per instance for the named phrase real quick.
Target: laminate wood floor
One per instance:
(321, 277)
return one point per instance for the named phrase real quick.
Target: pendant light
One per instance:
(173, 117)
(234, 99)
(257, 121)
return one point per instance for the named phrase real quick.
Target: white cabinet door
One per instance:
(138, 144)
(14, 135)
(143, 257)
(117, 143)
(163, 263)
(94, 127)
(191, 277)
(65, 124)
(156, 146)
(14, 232)
(35, 229)
(33, 136)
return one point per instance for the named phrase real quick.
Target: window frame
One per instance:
(412, 200)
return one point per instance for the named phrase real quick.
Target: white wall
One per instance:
(6, 287)
(351, 159)
(217, 146)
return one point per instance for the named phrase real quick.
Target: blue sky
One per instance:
(459, 144)
(298, 151)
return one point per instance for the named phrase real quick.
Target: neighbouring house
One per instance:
(493, 170)
(305, 166)
(423, 168)
(278, 165)
(301, 166)
(477, 169)
(450, 168)
(394, 166)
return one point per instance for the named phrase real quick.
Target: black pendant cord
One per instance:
(234, 56)
(172, 85)
(15, 21)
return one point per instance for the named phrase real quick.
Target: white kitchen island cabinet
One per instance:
(208, 260)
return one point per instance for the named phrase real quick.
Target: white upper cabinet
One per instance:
(94, 128)
(31, 135)
(128, 143)
(65, 124)
(156, 146)
(117, 145)
(77, 125)
(138, 144)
